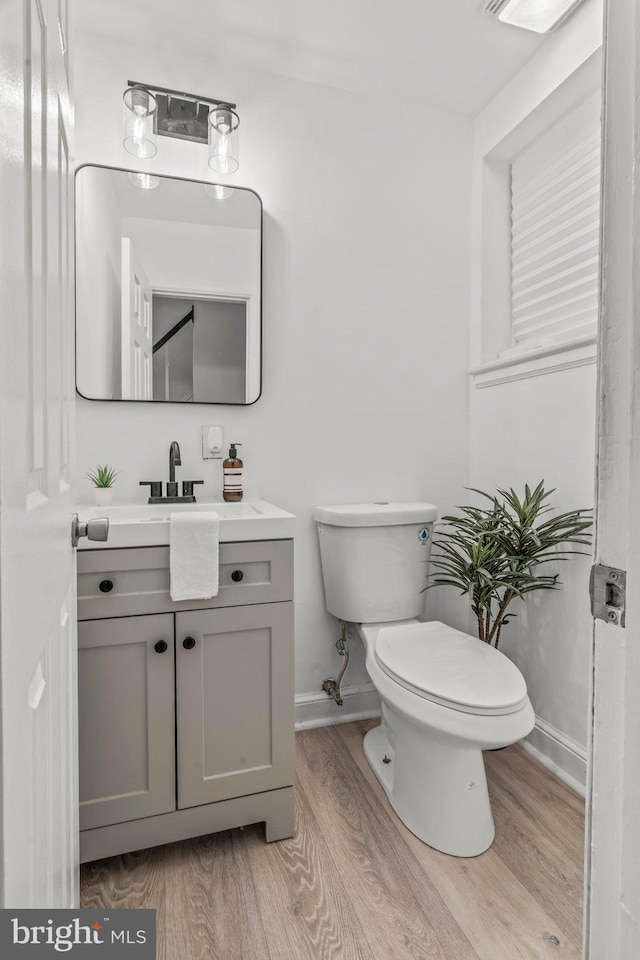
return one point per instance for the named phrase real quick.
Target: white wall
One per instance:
(527, 423)
(365, 310)
(98, 285)
(220, 347)
(523, 431)
(195, 257)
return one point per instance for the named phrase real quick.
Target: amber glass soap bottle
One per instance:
(232, 470)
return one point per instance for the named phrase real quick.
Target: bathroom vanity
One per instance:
(186, 720)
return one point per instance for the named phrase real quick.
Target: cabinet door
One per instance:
(126, 719)
(234, 701)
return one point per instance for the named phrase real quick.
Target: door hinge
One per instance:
(608, 590)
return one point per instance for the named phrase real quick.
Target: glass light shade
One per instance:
(223, 139)
(139, 118)
(218, 191)
(146, 181)
(537, 15)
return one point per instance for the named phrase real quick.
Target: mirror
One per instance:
(168, 289)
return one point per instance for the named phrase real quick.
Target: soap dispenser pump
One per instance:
(232, 471)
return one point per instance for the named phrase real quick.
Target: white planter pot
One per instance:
(103, 496)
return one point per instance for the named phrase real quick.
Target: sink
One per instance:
(147, 524)
(150, 512)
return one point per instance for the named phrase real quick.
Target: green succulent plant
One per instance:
(103, 476)
(492, 553)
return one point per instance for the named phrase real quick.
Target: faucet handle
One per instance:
(155, 488)
(187, 487)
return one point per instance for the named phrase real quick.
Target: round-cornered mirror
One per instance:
(168, 289)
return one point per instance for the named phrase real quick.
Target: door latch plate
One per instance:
(608, 588)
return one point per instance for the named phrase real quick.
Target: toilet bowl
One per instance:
(446, 696)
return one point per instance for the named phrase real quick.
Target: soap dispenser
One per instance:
(232, 470)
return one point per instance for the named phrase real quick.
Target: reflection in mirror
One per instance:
(168, 289)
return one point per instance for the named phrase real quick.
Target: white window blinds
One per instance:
(555, 207)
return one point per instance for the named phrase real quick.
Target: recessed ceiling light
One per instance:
(537, 15)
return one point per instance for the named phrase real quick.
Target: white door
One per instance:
(38, 827)
(137, 327)
(613, 834)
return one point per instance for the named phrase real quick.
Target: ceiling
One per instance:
(443, 52)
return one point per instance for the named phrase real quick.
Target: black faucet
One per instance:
(188, 495)
(174, 461)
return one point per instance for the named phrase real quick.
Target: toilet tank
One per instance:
(375, 559)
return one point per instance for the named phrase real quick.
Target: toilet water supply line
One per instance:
(331, 686)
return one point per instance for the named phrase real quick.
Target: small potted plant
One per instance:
(103, 479)
(493, 553)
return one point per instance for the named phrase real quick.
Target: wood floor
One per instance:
(354, 883)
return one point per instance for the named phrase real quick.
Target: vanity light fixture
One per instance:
(146, 181)
(139, 114)
(537, 15)
(151, 111)
(223, 139)
(218, 191)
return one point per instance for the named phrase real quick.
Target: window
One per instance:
(555, 224)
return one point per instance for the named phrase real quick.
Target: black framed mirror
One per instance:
(168, 289)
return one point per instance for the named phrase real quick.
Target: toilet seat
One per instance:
(451, 668)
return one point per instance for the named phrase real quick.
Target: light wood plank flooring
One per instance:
(355, 884)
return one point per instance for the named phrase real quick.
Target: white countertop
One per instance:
(147, 525)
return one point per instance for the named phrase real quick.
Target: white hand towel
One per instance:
(194, 555)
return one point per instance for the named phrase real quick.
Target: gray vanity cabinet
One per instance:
(125, 719)
(186, 710)
(233, 706)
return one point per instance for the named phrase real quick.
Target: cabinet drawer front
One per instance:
(120, 583)
(126, 719)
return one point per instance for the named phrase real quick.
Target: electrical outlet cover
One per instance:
(212, 443)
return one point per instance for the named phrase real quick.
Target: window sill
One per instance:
(535, 363)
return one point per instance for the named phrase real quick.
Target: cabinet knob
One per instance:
(106, 586)
(189, 643)
(161, 646)
(237, 576)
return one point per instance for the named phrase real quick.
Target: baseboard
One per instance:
(556, 751)
(559, 753)
(361, 701)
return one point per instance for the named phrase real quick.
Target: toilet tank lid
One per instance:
(378, 514)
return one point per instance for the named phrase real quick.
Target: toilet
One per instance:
(446, 696)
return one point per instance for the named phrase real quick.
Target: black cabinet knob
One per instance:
(161, 646)
(237, 576)
(189, 643)
(106, 586)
